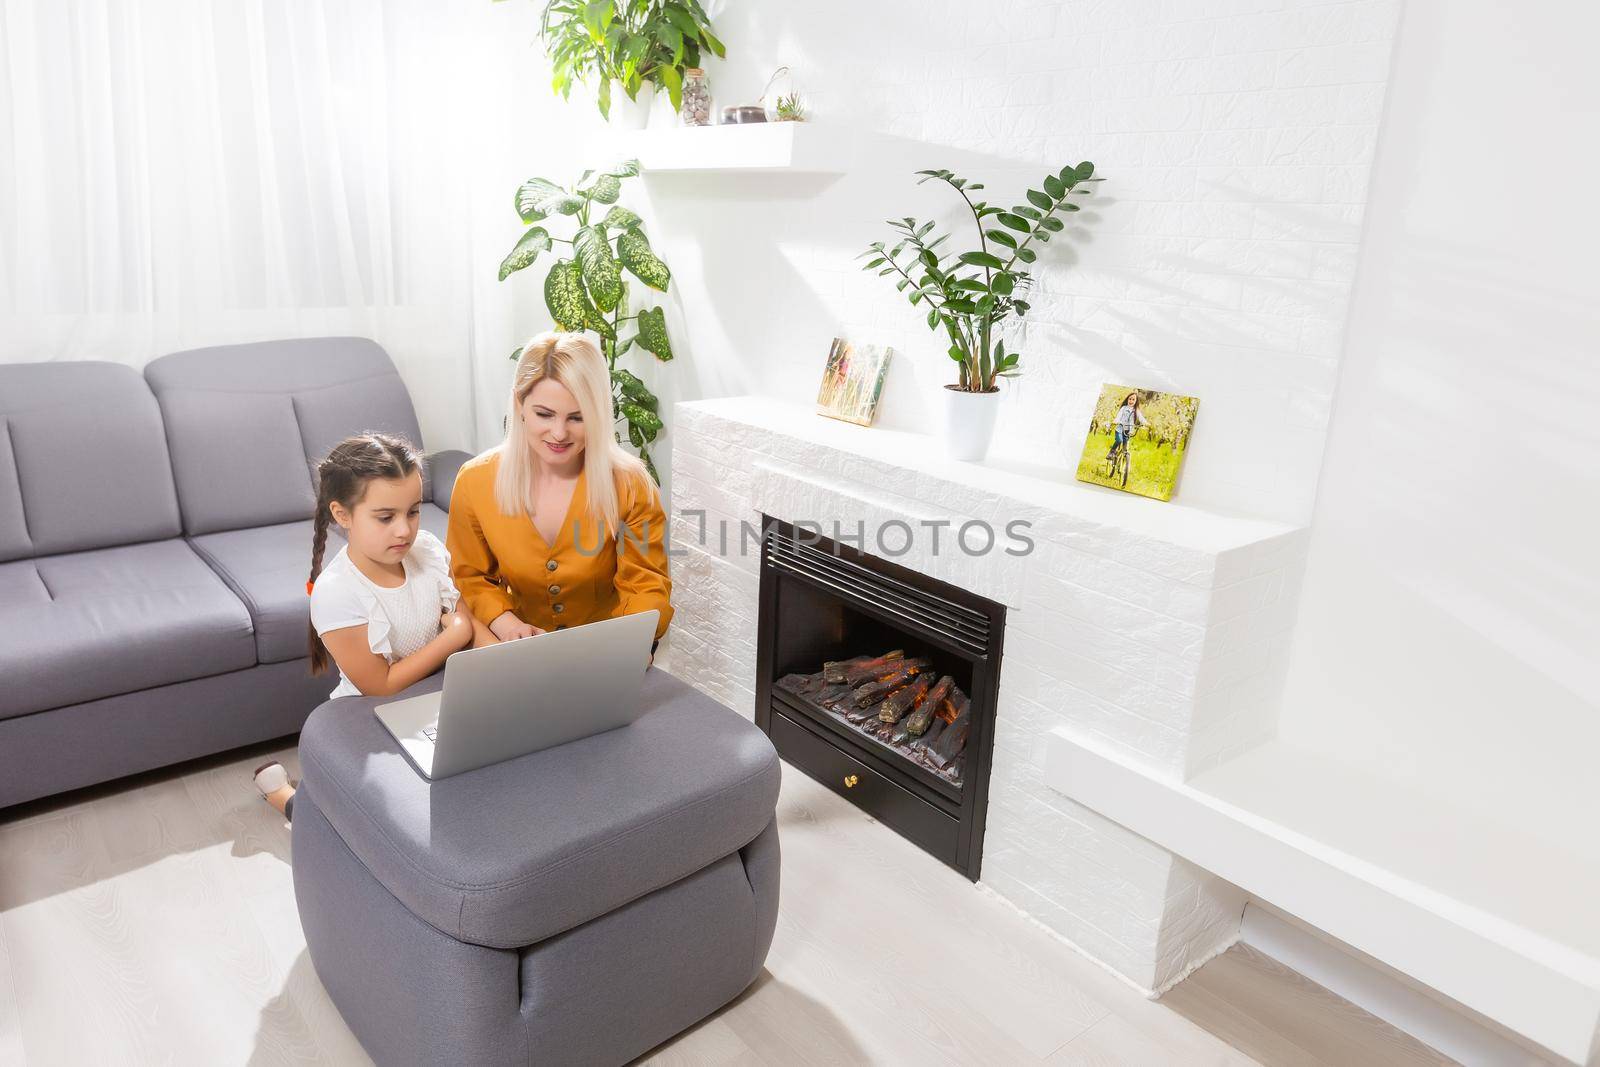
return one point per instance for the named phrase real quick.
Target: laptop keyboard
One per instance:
(431, 733)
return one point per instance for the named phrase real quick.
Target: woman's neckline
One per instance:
(566, 517)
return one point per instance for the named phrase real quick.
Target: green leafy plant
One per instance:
(790, 108)
(969, 296)
(586, 290)
(629, 42)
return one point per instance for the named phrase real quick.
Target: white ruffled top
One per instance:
(399, 621)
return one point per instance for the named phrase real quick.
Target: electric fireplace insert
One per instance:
(880, 682)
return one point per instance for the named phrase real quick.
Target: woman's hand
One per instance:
(458, 625)
(509, 628)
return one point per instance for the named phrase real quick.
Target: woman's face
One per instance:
(553, 423)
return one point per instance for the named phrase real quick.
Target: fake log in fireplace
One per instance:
(880, 683)
(897, 702)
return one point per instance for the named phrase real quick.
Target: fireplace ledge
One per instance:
(1021, 479)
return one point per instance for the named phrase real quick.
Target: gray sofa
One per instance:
(574, 906)
(155, 539)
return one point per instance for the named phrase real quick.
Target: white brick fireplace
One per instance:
(1159, 630)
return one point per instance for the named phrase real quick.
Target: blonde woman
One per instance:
(557, 525)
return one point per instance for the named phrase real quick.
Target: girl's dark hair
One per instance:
(343, 476)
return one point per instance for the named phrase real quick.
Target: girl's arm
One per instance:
(481, 634)
(376, 676)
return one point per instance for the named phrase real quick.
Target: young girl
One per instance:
(1129, 419)
(384, 608)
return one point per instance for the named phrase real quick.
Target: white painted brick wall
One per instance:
(1236, 137)
(1157, 630)
(1216, 259)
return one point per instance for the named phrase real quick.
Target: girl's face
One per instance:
(1133, 399)
(553, 423)
(384, 522)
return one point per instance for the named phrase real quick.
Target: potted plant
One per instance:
(586, 290)
(790, 108)
(626, 49)
(970, 296)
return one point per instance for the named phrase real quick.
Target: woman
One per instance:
(554, 528)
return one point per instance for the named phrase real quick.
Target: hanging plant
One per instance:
(626, 42)
(968, 297)
(586, 289)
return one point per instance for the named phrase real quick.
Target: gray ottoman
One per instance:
(576, 906)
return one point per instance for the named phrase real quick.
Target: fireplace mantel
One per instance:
(1160, 630)
(1031, 485)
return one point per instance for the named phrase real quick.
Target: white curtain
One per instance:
(178, 173)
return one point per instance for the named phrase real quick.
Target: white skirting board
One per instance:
(1374, 988)
(1379, 870)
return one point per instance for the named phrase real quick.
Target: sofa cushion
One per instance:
(513, 853)
(94, 624)
(267, 566)
(237, 459)
(14, 540)
(248, 423)
(83, 460)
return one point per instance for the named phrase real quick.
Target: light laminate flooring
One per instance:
(153, 922)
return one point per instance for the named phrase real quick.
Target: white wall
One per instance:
(1449, 625)
(1235, 137)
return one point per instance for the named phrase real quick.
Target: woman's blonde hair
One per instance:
(574, 361)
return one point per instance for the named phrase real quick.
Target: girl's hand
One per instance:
(457, 624)
(509, 628)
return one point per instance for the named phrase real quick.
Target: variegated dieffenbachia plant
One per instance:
(586, 288)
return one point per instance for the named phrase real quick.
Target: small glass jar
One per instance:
(695, 109)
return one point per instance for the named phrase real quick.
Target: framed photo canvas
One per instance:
(1137, 440)
(852, 381)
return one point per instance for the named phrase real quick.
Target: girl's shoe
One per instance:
(271, 777)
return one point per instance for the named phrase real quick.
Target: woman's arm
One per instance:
(476, 572)
(510, 627)
(642, 580)
(376, 676)
(473, 566)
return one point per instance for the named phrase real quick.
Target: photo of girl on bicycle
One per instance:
(1137, 438)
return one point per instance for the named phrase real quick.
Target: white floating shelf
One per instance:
(1482, 912)
(797, 147)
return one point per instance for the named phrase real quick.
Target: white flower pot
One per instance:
(631, 114)
(969, 422)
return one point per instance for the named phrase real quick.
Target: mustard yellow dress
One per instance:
(502, 563)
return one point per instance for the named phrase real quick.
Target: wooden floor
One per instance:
(153, 922)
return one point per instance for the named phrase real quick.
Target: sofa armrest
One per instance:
(442, 470)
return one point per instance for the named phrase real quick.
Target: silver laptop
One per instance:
(510, 699)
